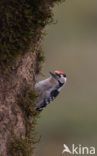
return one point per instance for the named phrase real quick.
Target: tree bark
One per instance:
(12, 86)
(21, 26)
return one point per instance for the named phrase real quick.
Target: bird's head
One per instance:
(59, 76)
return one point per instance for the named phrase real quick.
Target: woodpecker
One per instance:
(49, 88)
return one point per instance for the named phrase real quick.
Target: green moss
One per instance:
(21, 147)
(40, 59)
(27, 102)
(21, 23)
(25, 146)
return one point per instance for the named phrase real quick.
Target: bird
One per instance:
(49, 88)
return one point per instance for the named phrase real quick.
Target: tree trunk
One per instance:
(21, 24)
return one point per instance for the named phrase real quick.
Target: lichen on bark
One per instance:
(21, 30)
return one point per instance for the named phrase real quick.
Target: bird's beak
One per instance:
(53, 75)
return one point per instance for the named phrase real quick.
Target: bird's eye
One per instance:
(58, 75)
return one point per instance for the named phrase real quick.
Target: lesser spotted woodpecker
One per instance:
(49, 88)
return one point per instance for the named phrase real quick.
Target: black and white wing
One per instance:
(46, 101)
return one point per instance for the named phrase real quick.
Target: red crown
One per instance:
(59, 72)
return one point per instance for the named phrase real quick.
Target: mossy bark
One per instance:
(21, 26)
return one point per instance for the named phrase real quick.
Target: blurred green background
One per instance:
(71, 46)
